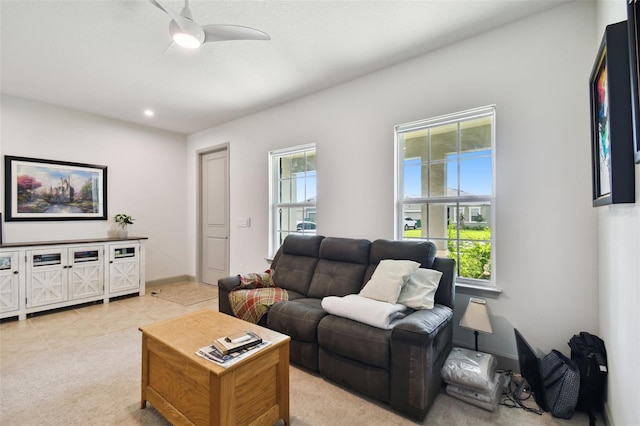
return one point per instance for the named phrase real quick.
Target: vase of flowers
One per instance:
(122, 220)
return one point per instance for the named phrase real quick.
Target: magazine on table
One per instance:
(212, 353)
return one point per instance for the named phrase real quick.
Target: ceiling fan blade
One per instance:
(232, 32)
(183, 22)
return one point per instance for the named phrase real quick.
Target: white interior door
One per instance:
(214, 197)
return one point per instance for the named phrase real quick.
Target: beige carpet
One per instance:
(185, 293)
(98, 383)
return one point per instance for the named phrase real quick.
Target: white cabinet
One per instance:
(46, 276)
(39, 276)
(86, 272)
(124, 267)
(58, 274)
(9, 282)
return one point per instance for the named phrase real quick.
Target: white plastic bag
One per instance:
(470, 369)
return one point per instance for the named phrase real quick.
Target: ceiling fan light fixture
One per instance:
(188, 35)
(186, 40)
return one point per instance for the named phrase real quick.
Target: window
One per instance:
(445, 178)
(292, 174)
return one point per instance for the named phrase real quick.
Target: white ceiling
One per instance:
(115, 58)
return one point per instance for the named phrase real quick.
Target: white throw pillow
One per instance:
(386, 282)
(419, 289)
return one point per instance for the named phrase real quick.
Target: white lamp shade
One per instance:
(476, 317)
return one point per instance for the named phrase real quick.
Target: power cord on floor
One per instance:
(510, 399)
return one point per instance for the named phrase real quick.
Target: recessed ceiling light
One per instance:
(149, 113)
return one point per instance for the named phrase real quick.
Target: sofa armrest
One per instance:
(420, 327)
(225, 285)
(420, 344)
(229, 283)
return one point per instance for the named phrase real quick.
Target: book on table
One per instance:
(236, 342)
(240, 351)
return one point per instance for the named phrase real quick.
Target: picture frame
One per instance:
(611, 126)
(633, 17)
(48, 190)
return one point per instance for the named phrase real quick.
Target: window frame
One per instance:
(274, 179)
(459, 201)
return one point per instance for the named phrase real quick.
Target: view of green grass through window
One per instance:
(445, 188)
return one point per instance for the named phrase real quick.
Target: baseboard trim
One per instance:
(170, 280)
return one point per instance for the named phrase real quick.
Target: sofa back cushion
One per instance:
(341, 268)
(419, 251)
(423, 252)
(296, 262)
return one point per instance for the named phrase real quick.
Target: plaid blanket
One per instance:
(256, 280)
(251, 305)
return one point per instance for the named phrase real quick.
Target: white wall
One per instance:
(619, 277)
(146, 176)
(536, 72)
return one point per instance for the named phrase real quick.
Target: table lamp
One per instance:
(476, 318)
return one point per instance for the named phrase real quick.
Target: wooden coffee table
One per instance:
(187, 389)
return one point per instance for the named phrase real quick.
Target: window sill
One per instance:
(479, 290)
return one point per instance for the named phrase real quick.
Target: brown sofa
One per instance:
(400, 366)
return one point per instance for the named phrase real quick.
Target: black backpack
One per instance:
(589, 353)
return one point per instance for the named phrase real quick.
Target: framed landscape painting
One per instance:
(43, 190)
(611, 125)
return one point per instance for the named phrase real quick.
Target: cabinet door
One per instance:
(9, 281)
(124, 267)
(86, 266)
(46, 276)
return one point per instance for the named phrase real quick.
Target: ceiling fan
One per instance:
(187, 33)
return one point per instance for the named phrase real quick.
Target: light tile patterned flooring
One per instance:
(57, 329)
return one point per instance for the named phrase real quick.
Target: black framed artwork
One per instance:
(634, 65)
(612, 153)
(44, 190)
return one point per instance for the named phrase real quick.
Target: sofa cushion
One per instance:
(302, 245)
(387, 280)
(423, 252)
(297, 261)
(332, 278)
(354, 340)
(345, 250)
(297, 318)
(341, 268)
(420, 288)
(368, 380)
